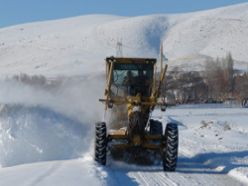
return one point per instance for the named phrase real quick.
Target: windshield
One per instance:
(131, 79)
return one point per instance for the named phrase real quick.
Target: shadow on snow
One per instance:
(211, 163)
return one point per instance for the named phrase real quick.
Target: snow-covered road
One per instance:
(212, 151)
(81, 171)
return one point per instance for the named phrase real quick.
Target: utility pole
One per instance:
(119, 49)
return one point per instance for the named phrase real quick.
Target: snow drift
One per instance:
(31, 134)
(48, 122)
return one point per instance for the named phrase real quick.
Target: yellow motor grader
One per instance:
(132, 92)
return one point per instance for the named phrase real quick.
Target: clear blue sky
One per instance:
(21, 11)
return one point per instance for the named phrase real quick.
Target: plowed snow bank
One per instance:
(52, 121)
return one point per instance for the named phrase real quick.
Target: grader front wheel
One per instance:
(170, 150)
(101, 143)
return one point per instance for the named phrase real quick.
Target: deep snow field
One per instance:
(47, 124)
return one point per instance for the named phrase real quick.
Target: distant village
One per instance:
(217, 83)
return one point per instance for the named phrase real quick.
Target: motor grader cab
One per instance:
(132, 91)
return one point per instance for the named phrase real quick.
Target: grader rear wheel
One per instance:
(170, 150)
(101, 143)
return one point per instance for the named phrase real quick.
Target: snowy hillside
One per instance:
(46, 122)
(75, 45)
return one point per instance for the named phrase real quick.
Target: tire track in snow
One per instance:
(154, 178)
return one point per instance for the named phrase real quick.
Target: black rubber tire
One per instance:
(170, 149)
(101, 143)
(156, 127)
